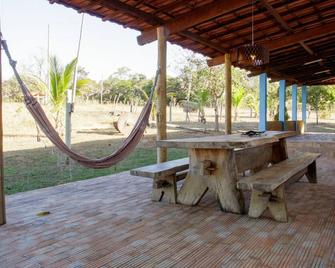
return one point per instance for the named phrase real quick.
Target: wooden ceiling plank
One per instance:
(288, 40)
(300, 36)
(283, 23)
(193, 18)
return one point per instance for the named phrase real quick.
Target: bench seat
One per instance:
(165, 176)
(267, 185)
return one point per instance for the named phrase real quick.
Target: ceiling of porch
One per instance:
(300, 34)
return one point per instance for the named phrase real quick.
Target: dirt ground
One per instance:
(32, 164)
(94, 122)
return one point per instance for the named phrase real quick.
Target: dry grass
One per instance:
(30, 164)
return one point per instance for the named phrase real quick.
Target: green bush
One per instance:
(276, 117)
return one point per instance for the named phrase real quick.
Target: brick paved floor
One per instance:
(111, 222)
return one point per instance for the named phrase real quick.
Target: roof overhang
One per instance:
(300, 34)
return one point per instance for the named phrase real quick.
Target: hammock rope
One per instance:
(43, 122)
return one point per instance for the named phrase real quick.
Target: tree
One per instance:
(192, 73)
(251, 101)
(202, 98)
(273, 99)
(237, 97)
(320, 98)
(60, 81)
(11, 90)
(214, 82)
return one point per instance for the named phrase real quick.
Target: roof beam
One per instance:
(204, 41)
(275, 15)
(283, 23)
(291, 39)
(151, 19)
(193, 18)
(128, 9)
(300, 36)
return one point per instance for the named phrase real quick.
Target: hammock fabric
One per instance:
(43, 122)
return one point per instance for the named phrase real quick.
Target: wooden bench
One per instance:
(267, 185)
(165, 176)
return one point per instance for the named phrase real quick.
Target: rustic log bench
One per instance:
(165, 176)
(267, 185)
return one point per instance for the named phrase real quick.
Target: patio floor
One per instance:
(111, 222)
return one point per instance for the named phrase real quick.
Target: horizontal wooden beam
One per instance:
(204, 41)
(283, 23)
(300, 36)
(148, 18)
(287, 40)
(216, 61)
(193, 18)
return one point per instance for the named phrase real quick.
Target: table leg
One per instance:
(213, 169)
(279, 151)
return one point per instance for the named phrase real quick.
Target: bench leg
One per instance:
(165, 188)
(275, 201)
(311, 173)
(258, 203)
(277, 204)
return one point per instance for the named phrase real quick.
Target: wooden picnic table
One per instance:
(216, 162)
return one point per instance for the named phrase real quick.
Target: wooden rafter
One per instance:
(288, 40)
(289, 28)
(193, 18)
(300, 36)
(283, 23)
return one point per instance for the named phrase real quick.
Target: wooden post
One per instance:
(228, 94)
(161, 94)
(262, 102)
(2, 188)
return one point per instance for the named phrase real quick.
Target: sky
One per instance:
(105, 46)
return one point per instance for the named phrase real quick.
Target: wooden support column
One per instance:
(282, 102)
(294, 102)
(2, 188)
(161, 94)
(228, 94)
(262, 102)
(304, 105)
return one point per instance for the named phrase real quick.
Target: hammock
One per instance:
(43, 122)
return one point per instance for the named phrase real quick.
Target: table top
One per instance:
(227, 141)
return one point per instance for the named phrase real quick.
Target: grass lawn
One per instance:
(42, 168)
(31, 165)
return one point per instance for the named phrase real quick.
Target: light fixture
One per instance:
(252, 54)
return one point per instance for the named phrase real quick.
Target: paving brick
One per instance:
(111, 222)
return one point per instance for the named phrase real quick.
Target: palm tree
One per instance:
(238, 95)
(61, 79)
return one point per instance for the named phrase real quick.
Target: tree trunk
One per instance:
(221, 109)
(317, 110)
(235, 114)
(216, 116)
(170, 111)
(187, 119)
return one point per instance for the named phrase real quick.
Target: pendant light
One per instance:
(252, 55)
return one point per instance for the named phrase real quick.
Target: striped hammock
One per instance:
(43, 122)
